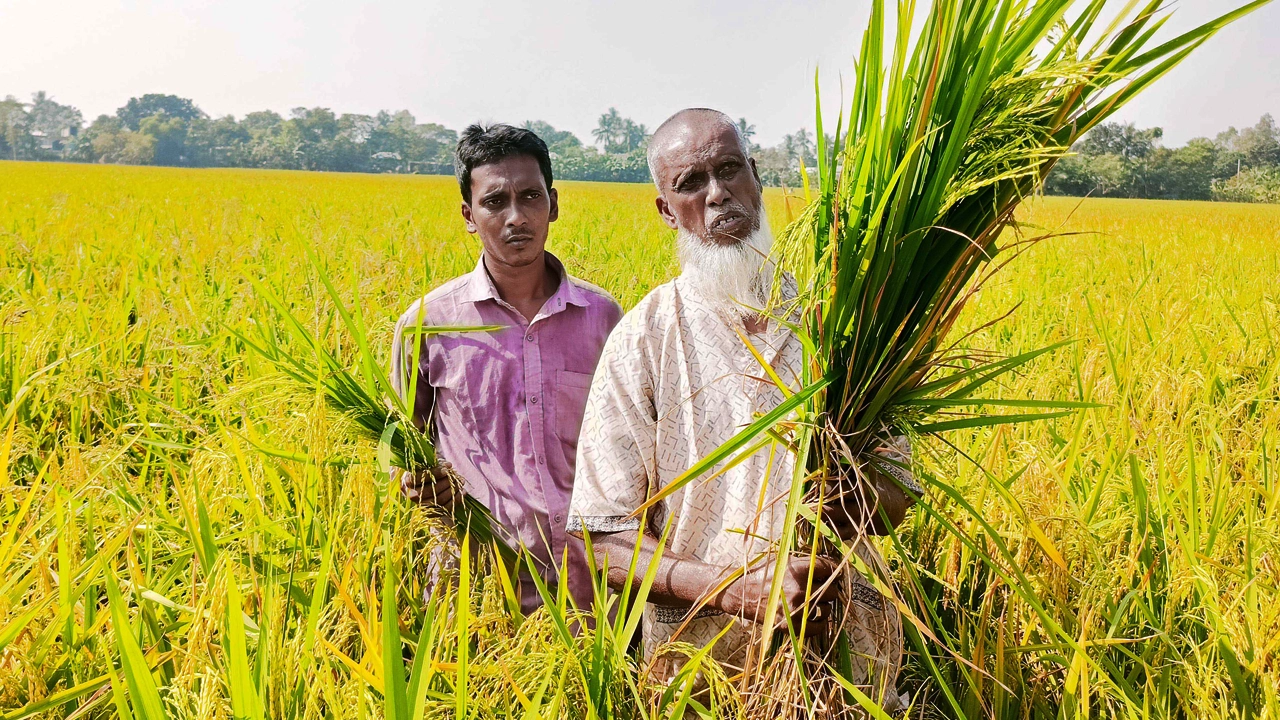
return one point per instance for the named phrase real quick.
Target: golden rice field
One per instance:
(167, 503)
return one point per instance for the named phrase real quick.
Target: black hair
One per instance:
(481, 145)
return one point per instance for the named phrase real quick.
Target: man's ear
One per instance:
(664, 209)
(755, 172)
(555, 205)
(466, 215)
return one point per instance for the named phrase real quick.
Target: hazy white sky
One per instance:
(563, 61)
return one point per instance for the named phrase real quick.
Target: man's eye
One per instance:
(690, 185)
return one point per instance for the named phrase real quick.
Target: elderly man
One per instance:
(505, 407)
(675, 381)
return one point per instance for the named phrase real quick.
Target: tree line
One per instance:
(1113, 160)
(1122, 160)
(158, 129)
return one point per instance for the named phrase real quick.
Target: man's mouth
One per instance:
(519, 240)
(729, 223)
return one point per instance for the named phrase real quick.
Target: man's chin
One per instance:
(725, 239)
(518, 255)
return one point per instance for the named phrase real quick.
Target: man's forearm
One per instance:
(680, 581)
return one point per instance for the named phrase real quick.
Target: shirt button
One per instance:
(559, 518)
(529, 338)
(542, 461)
(534, 399)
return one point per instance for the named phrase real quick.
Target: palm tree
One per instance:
(607, 127)
(633, 135)
(747, 131)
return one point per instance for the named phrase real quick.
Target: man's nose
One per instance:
(516, 217)
(717, 192)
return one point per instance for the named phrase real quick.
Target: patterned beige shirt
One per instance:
(674, 382)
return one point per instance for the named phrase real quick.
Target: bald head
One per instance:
(707, 182)
(676, 129)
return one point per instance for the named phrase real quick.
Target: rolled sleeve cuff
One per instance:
(601, 524)
(904, 477)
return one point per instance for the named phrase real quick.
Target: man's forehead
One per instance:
(691, 143)
(514, 170)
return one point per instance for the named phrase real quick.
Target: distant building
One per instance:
(55, 142)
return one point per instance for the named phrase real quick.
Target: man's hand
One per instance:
(429, 487)
(748, 596)
(854, 511)
(850, 513)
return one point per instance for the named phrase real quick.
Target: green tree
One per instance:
(556, 140)
(316, 129)
(1184, 173)
(262, 121)
(170, 138)
(54, 126)
(89, 145)
(272, 141)
(220, 142)
(618, 135)
(608, 129)
(140, 108)
(108, 140)
(1083, 175)
(776, 167)
(1124, 140)
(16, 142)
(1259, 146)
(634, 136)
(1072, 175)
(800, 146)
(1256, 185)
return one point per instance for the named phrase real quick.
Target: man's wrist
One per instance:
(723, 593)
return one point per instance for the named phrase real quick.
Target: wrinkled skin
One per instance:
(708, 185)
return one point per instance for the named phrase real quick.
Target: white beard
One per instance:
(735, 279)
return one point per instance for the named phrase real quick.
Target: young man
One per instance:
(675, 382)
(505, 407)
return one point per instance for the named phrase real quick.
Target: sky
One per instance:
(562, 61)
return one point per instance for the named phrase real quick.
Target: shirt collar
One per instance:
(480, 287)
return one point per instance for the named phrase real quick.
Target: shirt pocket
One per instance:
(571, 403)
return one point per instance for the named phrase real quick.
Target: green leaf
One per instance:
(420, 678)
(985, 421)
(945, 402)
(245, 702)
(394, 694)
(462, 625)
(133, 664)
(57, 699)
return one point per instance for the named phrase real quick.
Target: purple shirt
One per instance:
(508, 406)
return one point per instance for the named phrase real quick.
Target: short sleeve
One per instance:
(616, 448)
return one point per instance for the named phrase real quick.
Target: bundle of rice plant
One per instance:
(944, 140)
(953, 122)
(363, 396)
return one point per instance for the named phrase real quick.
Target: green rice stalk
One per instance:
(142, 690)
(364, 397)
(245, 702)
(947, 134)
